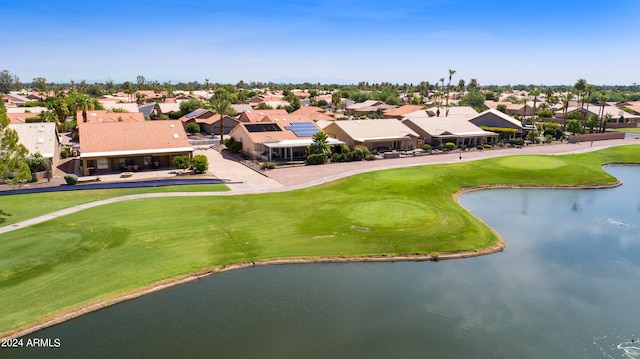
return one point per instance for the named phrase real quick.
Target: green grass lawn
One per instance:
(631, 130)
(16, 208)
(98, 253)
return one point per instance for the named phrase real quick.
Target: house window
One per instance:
(103, 164)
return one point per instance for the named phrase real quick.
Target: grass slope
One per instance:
(628, 129)
(16, 208)
(98, 253)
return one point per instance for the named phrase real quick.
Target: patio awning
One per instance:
(299, 143)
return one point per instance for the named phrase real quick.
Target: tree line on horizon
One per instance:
(11, 82)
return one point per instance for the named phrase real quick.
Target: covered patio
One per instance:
(292, 149)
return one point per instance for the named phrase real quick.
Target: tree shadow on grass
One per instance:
(3, 216)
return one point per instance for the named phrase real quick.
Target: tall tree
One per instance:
(461, 86)
(451, 73)
(223, 108)
(40, 84)
(141, 81)
(83, 103)
(13, 169)
(580, 86)
(535, 95)
(8, 81)
(589, 90)
(59, 105)
(335, 100)
(473, 85)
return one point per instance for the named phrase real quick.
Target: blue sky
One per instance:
(496, 42)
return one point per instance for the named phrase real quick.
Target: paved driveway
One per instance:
(238, 177)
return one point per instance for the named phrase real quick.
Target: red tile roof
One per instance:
(132, 137)
(98, 116)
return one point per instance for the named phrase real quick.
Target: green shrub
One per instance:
(486, 145)
(436, 142)
(200, 163)
(317, 159)
(71, 179)
(337, 157)
(479, 147)
(268, 165)
(548, 138)
(64, 153)
(362, 148)
(369, 157)
(450, 146)
(546, 113)
(427, 147)
(233, 145)
(341, 148)
(193, 127)
(181, 162)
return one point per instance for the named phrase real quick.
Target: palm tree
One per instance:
(451, 72)
(223, 108)
(535, 95)
(566, 98)
(603, 102)
(590, 88)
(473, 84)
(580, 86)
(335, 100)
(84, 103)
(319, 144)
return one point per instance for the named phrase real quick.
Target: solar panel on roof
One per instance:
(195, 113)
(303, 129)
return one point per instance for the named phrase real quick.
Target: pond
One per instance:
(566, 286)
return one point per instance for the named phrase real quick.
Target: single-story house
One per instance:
(259, 115)
(495, 119)
(118, 106)
(101, 116)
(456, 129)
(617, 115)
(453, 111)
(400, 112)
(164, 108)
(30, 111)
(240, 108)
(209, 121)
(40, 137)
(314, 113)
(377, 135)
(281, 140)
(131, 146)
(512, 109)
(368, 107)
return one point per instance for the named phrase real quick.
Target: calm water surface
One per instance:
(567, 286)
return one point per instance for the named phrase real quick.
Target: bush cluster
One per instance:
(181, 162)
(317, 159)
(200, 163)
(233, 145)
(71, 179)
(193, 127)
(344, 154)
(268, 165)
